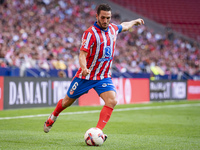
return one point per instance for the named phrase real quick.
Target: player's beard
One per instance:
(103, 27)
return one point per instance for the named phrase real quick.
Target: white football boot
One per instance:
(49, 123)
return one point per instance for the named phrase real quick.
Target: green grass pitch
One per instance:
(154, 126)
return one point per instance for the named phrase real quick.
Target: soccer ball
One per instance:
(94, 137)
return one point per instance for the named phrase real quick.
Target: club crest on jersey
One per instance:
(114, 37)
(104, 85)
(71, 92)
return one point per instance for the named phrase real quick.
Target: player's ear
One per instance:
(96, 16)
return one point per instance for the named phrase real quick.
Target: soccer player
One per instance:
(95, 58)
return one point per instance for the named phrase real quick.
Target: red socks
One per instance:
(58, 108)
(104, 117)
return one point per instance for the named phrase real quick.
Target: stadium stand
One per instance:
(181, 15)
(43, 37)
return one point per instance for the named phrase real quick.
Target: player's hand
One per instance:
(85, 72)
(139, 22)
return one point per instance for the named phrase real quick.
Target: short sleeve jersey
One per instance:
(100, 46)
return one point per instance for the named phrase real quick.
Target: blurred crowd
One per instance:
(47, 34)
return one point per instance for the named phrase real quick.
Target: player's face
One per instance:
(103, 19)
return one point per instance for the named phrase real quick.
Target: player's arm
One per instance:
(128, 25)
(83, 63)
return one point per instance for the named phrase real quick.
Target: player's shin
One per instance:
(104, 117)
(58, 108)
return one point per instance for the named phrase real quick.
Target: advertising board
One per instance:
(168, 90)
(33, 92)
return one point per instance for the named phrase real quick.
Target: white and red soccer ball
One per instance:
(94, 137)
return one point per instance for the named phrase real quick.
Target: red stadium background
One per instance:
(193, 90)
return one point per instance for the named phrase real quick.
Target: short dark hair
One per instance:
(104, 7)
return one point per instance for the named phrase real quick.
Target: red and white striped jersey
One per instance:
(100, 45)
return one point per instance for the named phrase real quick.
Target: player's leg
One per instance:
(106, 90)
(61, 105)
(109, 98)
(76, 89)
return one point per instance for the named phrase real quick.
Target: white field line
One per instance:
(97, 111)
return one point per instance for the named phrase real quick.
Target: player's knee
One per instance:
(67, 101)
(112, 103)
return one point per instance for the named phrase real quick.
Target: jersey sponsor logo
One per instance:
(107, 54)
(107, 51)
(105, 59)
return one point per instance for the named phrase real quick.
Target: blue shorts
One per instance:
(79, 86)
